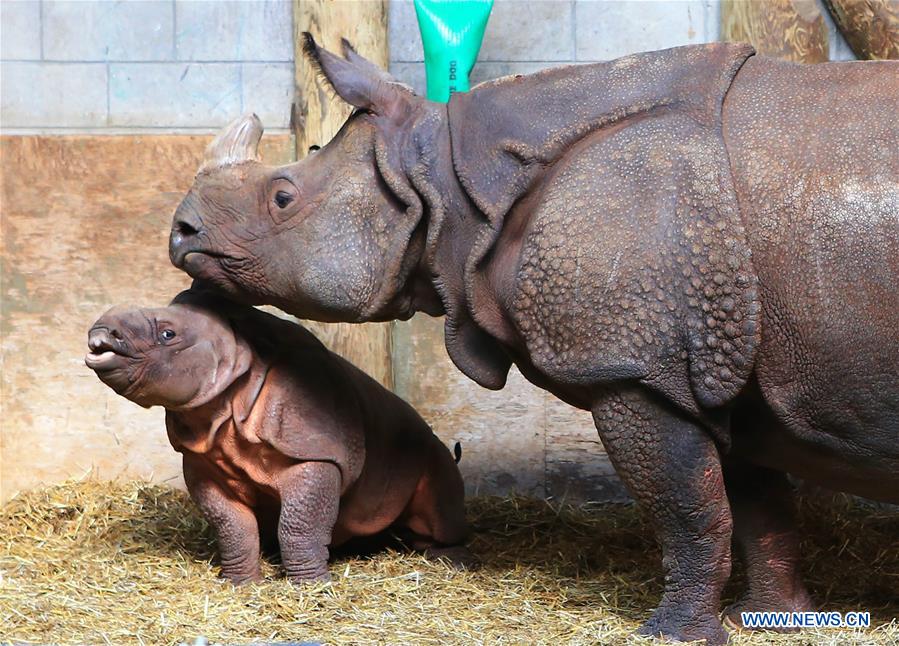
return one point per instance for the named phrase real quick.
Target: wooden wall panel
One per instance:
(85, 224)
(518, 439)
(789, 29)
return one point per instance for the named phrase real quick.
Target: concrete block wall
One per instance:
(524, 36)
(169, 65)
(192, 65)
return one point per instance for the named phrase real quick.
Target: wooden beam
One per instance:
(318, 116)
(871, 27)
(793, 30)
(316, 119)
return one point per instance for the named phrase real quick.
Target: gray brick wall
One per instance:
(189, 65)
(525, 36)
(167, 65)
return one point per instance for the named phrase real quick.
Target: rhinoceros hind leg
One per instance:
(766, 540)
(672, 467)
(434, 519)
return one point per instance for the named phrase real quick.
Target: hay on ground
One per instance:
(122, 563)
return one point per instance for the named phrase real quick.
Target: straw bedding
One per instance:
(116, 563)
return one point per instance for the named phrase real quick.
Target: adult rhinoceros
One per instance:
(699, 245)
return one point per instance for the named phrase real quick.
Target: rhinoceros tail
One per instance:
(457, 451)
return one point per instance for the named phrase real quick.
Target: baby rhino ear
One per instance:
(202, 296)
(358, 81)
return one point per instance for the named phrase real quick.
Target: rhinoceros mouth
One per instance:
(187, 257)
(113, 369)
(101, 360)
(221, 272)
(201, 263)
(106, 350)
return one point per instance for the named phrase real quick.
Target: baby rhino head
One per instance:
(180, 356)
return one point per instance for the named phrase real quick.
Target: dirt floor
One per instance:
(130, 563)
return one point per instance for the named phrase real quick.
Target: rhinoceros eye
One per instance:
(167, 335)
(282, 199)
(283, 196)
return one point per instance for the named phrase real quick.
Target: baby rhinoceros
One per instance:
(281, 437)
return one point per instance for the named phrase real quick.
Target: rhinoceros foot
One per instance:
(798, 602)
(671, 624)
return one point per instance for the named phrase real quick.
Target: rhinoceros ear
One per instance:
(358, 81)
(237, 143)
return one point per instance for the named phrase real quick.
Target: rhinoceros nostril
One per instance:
(185, 229)
(100, 340)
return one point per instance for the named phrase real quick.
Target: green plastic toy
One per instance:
(451, 31)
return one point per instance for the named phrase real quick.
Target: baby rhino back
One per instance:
(308, 404)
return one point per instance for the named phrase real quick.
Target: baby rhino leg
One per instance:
(310, 499)
(436, 513)
(234, 524)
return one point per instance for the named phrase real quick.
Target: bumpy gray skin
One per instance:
(698, 245)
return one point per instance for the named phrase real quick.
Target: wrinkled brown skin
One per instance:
(281, 438)
(699, 245)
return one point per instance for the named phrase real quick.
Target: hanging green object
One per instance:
(451, 31)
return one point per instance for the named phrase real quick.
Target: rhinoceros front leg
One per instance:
(234, 524)
(310, 500)
(671, 466)
(765, 537)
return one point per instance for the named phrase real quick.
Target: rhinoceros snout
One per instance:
(103, 339)
(183, 233)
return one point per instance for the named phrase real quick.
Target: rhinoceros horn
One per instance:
(237, 143)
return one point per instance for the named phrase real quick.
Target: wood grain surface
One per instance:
(789, 29)
(317, 116)
(871, 27)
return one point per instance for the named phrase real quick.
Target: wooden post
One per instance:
(317, 118)
(790, 29)
(362, 22)
(871, 27)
